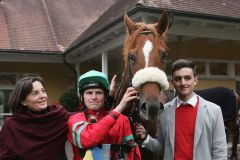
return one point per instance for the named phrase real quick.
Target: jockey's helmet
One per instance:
(93, 79)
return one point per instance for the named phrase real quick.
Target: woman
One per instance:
(36, 130)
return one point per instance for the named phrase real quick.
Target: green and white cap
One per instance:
(93, 79)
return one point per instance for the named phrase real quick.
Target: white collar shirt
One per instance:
(192, 101)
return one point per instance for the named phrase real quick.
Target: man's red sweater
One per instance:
(185, 120)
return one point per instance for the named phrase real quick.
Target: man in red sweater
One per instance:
(96, 125)
(190, 127)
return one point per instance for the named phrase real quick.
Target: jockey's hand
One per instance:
(141, 132)
(129, 95)
(113, 86)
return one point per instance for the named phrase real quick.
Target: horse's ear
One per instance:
(129, 24)
(162, 26)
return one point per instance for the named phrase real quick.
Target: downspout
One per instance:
(74, 72)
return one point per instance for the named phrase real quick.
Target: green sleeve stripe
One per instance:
(78, 134)
(127, 138)
(73, 129)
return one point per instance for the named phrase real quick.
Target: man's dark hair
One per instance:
(182, 63)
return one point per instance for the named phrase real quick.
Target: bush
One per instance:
(1, 97)
(70, 100)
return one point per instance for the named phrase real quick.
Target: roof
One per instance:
(46, 25)
(54, 26)
(222, 9)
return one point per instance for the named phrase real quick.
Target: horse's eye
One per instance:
(132, 56)
(163, 56)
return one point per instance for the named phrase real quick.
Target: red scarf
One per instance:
(32, 135)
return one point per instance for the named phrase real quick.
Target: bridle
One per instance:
(131, 60)
(133, 115)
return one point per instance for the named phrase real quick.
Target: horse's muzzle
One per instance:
(150, 110)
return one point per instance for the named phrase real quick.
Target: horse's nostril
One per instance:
(161, 106)
(144, 106)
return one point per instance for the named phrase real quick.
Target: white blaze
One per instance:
(147, 50)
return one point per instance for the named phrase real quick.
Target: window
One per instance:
(237, 69)
(212, 69)
(201, 67)
(7, 79)
(218, 68)
(27, 75)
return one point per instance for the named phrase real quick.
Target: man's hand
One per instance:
(129, 95)
(141, 132)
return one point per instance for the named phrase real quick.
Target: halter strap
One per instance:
(130, 66)
(133, 115)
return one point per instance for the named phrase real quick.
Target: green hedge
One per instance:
(70, 100)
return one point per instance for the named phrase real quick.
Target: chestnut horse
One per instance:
(144, 52)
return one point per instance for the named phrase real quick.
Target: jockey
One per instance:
(96, 125)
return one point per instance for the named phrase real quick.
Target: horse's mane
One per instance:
(160, 40)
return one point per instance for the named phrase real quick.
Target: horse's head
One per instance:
(146, 43)
(144, 55)
(150, 82)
